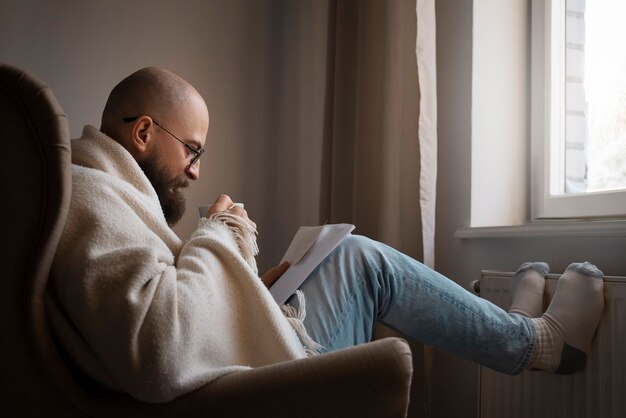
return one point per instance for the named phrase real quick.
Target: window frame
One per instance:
(547, 99)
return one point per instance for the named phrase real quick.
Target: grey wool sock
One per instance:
(527, 289)
(565, 331)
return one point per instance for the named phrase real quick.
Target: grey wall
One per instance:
(456, 380)
(260, 65)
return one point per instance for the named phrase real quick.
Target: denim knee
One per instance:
(358, 244)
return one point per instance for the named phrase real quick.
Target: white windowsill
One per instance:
(548, 229)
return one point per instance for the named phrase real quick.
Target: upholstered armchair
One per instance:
(371, 380)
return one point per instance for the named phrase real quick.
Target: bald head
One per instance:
(154, 98)
(151, 91)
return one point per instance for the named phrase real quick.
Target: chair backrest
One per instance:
(35, 185)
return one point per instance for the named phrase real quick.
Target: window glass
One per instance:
(595, 96)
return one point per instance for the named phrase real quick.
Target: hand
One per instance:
(274, 274)
(224, 204)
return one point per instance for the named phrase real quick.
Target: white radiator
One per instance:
(597, 392)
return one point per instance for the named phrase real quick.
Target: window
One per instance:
(578, 109)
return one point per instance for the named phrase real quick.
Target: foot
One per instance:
(528, 285)
(565, 331)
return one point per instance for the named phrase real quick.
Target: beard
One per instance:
(167, 189)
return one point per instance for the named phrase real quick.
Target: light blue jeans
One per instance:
(364, 281)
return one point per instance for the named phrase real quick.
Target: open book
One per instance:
(309, 247)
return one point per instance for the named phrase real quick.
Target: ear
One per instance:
(142, 136)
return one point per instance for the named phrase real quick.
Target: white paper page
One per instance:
(329, 236)
(301, 243)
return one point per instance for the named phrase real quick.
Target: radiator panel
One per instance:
(598, 391)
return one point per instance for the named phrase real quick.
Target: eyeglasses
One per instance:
(197, 153)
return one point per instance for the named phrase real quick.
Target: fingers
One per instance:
(237, 209)
(274, 274)
(224, 203)
(282, 268)
(221, 204)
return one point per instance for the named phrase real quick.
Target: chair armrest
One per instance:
(370, 380)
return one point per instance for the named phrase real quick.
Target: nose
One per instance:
(193, 171)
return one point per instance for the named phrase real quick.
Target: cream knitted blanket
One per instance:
(139, 311)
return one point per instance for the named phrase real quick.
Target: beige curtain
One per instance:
(371, 170)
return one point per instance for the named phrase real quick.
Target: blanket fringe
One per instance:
(296, 320)
(245, 235)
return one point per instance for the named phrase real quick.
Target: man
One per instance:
(139, 311)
